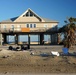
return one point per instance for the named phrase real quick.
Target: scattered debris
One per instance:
(5, 73)
(44, 54)
(10, 48)
(5, 56)
(55, 53)
(18, 48)
(0, 49)
(32, 53)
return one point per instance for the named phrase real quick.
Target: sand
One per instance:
(21, 62)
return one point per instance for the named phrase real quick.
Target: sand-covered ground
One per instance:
(22, 62)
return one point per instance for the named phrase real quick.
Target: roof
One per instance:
(10, 20)
(13, 19)
(49, 20)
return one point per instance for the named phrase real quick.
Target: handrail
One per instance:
(37, 29)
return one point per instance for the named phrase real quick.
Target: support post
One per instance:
(16, 38)
(58, 38)
(41, 39)
(1, 40)
(4, 38)
(29, 41)
(38, 39)
(52, 39)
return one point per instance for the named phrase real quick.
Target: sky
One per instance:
(58, 10)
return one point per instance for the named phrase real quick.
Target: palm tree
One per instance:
(69, 31)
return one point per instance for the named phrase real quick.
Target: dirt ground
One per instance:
(23, 62)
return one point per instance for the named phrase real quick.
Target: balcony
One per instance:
(37, 29)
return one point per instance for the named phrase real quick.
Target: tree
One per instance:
(69, 31)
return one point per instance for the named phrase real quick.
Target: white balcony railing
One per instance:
(37, 29)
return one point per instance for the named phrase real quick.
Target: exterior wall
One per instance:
(22, 21)
(27, 19)
(22, 25)
(39, 26)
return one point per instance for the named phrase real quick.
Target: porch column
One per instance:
(58, 38)
(4, 38)
(1, 40)
(38, 39)
(54, 38)
(51, 39)
(28, 41)
(16, 38)
(41, 39)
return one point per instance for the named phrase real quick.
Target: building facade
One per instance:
(29, 23)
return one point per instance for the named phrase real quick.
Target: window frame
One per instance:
(34, 25)
(45, 25)
(12, 27)
(27, 26)
(31, 25)
(4, 27)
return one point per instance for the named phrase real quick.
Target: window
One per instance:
(12, 27)
(53, 25)
(19, 26)
(34, 25)
(31, 14)
(27, 14)
(30, 25)
(27, 25)
(4, 27)
(45, 25)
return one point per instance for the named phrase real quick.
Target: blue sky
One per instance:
(53, 9)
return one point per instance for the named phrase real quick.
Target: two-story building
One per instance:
(29, 23)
